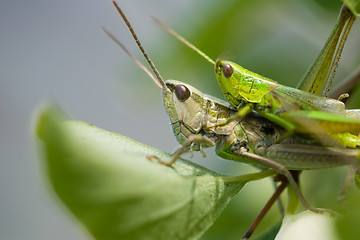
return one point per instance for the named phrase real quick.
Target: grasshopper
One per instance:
(293, 109)
(196, 120)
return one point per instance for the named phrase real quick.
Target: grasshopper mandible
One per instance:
(293, 109)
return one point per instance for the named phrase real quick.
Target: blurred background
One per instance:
(56, 50)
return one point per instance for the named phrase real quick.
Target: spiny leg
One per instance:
(280, 169)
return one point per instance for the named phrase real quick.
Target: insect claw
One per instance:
(152, 157)
(202, 151)
(243, 150)
(191, 150)
(343, 96)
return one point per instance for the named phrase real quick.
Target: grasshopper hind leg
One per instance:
(265, 209)
(281, 170)
(347, 139)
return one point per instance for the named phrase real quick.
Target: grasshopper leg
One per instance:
(289, 127)
(346, 183)
(347, 139)
(191, 140)
(280, 169)
(239, 115)
(265, 209)
(151, 157)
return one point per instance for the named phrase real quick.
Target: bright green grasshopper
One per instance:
(293, 109)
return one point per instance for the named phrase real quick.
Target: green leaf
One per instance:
(107, 182)
(354, 6)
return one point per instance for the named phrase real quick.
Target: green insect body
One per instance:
(291, 108)
(248, 91)
(254, 134)
(268, 94)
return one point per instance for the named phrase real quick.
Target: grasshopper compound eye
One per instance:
(182, 92)
(227, 70)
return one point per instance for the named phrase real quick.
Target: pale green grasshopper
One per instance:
(293, 109)
(196, 117)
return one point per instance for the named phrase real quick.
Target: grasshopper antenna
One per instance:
(181, 39)
(158, 76)
(137, 62)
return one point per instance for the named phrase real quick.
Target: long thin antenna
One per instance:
(137, 62)
(181, 39)
(139, 45)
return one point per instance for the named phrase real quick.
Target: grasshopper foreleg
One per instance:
(239, 115)
(187, 146)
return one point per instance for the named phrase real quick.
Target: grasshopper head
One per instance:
(185, 107)
(239, 84)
